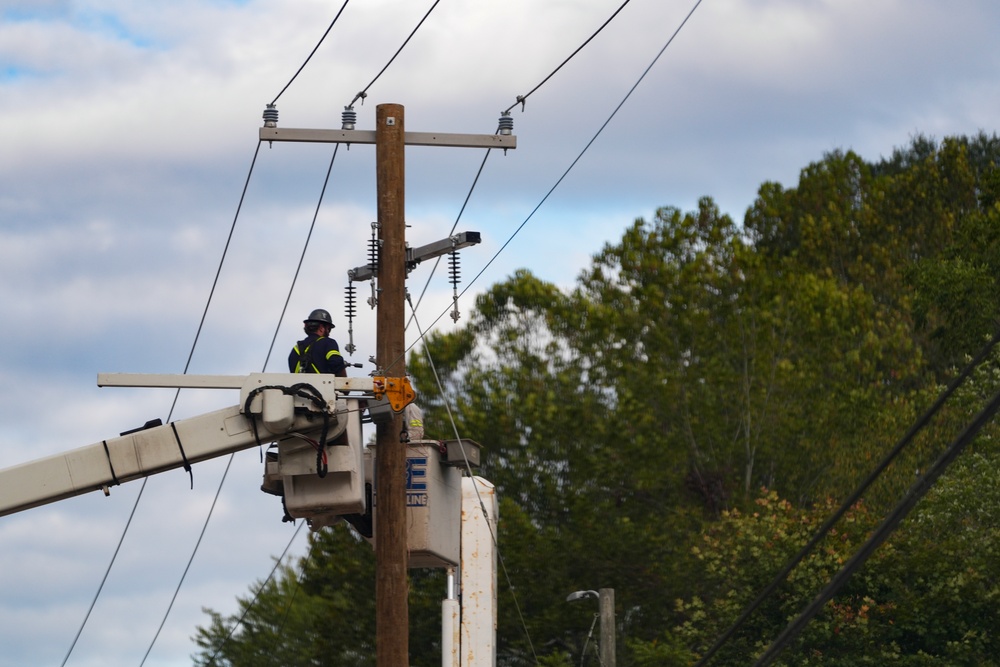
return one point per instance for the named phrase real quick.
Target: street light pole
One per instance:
(606, 599)
(606, 611)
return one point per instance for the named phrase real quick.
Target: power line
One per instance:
(468, 466)
(364, 91)
(577, 158)
(851, 499)
(177, 394)
(187, 364)
(302, 256)
(218, 272)
(172, 407)
(311, 54)
(232, 456)
(256, 595)
(521, 99)
(361, 95)
(104, 579)
(422, 333)
(588, 145)
(454, 226)
(284, 309)
(916, 492)
(187, 567)
(274, 338)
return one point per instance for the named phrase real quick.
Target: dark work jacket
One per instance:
(316, 354)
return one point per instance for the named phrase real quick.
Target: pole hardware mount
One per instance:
(399, 391)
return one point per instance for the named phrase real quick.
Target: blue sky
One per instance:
(126, 134)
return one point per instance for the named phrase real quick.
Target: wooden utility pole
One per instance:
(391, 584)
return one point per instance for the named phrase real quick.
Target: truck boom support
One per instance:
(273, 406)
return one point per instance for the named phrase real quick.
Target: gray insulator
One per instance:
(271, 116)
(349, 117)
(350, 300)
(454, 268)
(506, 123)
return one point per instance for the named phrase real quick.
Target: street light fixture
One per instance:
(606, 599)
(582, 595)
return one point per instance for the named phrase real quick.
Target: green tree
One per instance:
(929, 595)
(737, 369)
(515, 384)
(321, 612)
(289, 619)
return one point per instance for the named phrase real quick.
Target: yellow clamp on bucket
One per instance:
(398, 390)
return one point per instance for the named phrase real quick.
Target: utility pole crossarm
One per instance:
(287, 134)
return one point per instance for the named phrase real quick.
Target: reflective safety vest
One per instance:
(305, 363)
(413, 418)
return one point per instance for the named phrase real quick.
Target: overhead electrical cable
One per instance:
(284, 308)
(362, 95)
(198, 335)
(104, 579)
(257, 593)
(187, 365)
(454, 226)
(521, 99)
(232, 456)
(218, 272)
(302, 256)
(311, 54)
(283, 311)
(468, 467)
(575, 160)
(587, 146)
(916, 492)
(853, 498)
(187, 567)
(291, 289)
(364, 91)
(229, 463)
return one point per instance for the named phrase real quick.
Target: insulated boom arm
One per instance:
(123, 459)
(273, 406)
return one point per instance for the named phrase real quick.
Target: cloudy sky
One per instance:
(127, 131)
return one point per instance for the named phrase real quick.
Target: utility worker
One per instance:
(317, 352)
(413, 421)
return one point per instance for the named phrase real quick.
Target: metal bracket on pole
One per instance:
(397, 390)
(415, 256)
